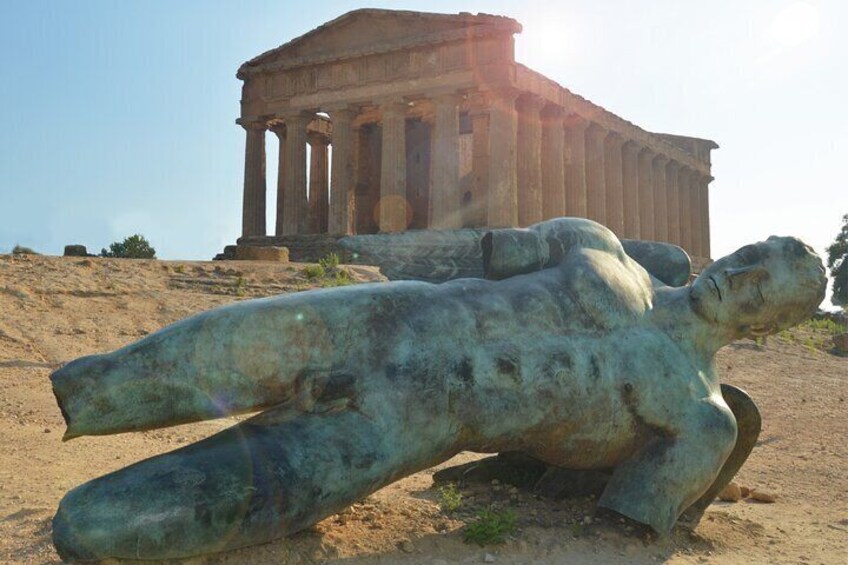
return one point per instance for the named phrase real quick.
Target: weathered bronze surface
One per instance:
(586, 363)
(443, 255)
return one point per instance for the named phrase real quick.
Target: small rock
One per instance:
(587, 520)
(730, 493)
(46, 430)
(763, 496)
(406, 546)
(746, 492)
(489, 558)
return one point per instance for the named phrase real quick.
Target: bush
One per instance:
(329, 262)
(837, 262)
(313, 271)
(133, 247)
(450, 499)
(21, 250)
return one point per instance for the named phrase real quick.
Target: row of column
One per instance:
(567, 165)
(531, 161)
(295, 213)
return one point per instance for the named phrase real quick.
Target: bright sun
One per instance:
(795, 23)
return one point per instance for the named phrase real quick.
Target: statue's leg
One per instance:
(749, 424)
(672, 468)
(252, 483)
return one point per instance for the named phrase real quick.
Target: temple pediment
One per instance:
(366, 31)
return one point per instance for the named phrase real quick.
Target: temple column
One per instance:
(613, 175)
(704, 194)
(695, 213)
(479, 113)
(295, 205)
(684, 205)
(646, 195)
(553, 163)
(341, 175)
(660, 199)
(280, 130)
(503, 180)
(319, 198)
(253, 203)
(528, 160)
(393, 168)
(630, 184)
(575, 166)
(444, 164)
(595, 181)
(672, 190)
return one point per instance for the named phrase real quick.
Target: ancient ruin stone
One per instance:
(264, 253)
(75, 251)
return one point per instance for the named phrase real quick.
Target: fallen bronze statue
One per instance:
(568, 352)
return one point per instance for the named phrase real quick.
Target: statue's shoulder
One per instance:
(563, 235)
(514, 251)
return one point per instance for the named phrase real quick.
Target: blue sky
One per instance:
(118, 116)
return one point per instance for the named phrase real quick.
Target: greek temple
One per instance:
(394, 120)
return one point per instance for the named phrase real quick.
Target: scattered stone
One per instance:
(489, 558)
(763, 496)
(406, 546)
(46, 430)
(730, 493)
(262, 253)
(746, 492)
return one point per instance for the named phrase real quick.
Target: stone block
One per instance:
(76, 251)
(262, 253)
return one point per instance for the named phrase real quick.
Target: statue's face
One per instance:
(761, 288)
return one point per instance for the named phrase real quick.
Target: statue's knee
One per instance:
(717, 427)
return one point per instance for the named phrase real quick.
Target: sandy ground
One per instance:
(55, 309)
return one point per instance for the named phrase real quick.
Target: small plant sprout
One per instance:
(491, 527)
(450, 499)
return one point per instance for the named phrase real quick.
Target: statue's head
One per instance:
(761, 288)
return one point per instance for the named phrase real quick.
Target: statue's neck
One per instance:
(673, 313)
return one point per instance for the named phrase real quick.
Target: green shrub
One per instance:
(133, 247)
(491, 527)
(450, 499)
(314, 271)
(21, 250)
(329, 262)
(837, 262)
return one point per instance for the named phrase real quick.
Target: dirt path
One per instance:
(55, 309)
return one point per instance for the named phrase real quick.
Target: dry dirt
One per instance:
(55, 309)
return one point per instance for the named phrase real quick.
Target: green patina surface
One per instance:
(575, 356)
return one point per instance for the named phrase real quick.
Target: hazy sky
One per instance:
(118, 117)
